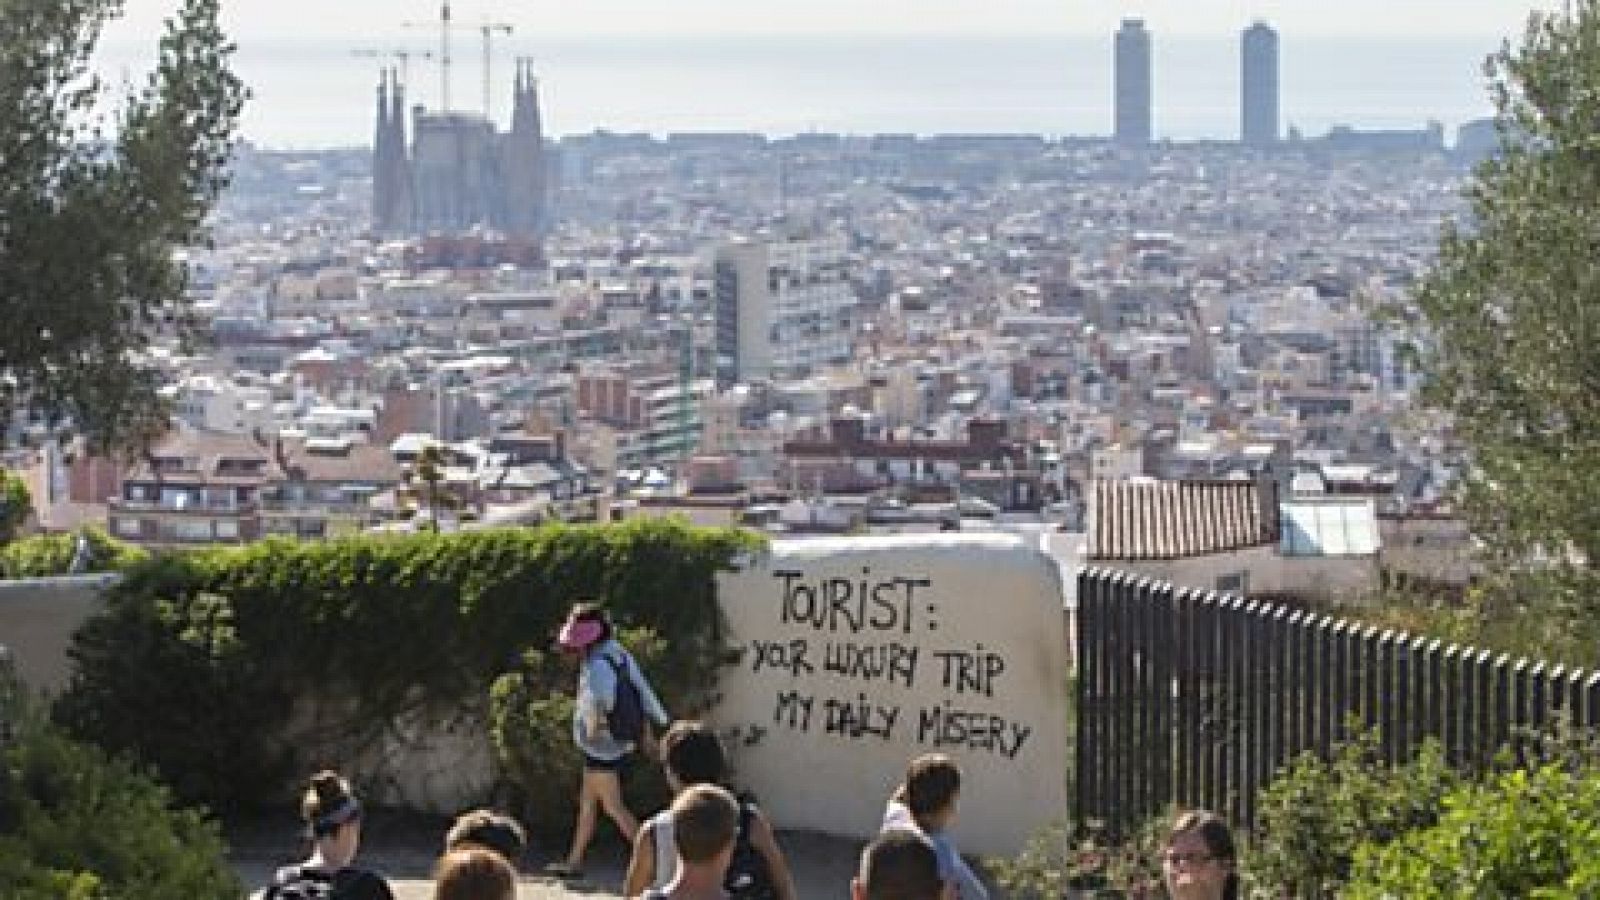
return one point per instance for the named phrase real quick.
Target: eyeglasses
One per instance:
(1186, 859)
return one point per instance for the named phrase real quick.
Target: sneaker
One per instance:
(563, 871)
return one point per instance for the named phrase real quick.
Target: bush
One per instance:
(1314, 817)
(1524, 834)
(200, 659)
(77, 825)
(16, 504)
(1053, 865)
(44, 555)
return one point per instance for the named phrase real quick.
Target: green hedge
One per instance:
(43, 555)
(199, 659)
(76, 825)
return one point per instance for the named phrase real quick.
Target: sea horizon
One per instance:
(316, 93)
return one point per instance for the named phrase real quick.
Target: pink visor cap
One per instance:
(579, 634)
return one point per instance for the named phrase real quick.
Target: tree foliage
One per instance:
(75, 824)
(1512, 311)
(94, 207)
(15, 505)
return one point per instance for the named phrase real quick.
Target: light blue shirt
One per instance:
(597, 692)
(952, 868)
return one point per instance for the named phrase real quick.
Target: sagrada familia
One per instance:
(459, 172)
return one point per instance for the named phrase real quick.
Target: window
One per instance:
(128, 528)
(198, 530)
(227, 530)
(1234, 583)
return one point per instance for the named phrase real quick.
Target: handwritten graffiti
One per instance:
(945, 726)
(872, 662)
(971, 672)
(852, 606)
(881, 633)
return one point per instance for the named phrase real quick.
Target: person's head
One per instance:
(333, 817)
(693, 755)
(472, 872)
(933, 782)
(1198, 860)
(898, 864)
(705, 820)
(586, 628)
(489, 829)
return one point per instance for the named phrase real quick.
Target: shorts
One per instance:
(618, 765)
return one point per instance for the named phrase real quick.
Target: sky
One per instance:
(248, 19)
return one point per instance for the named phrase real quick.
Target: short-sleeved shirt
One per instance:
(952, 868)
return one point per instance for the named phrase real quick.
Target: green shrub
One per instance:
(1524, 834)
(1314, 816)
(1087, 864)
(232, 641)
(77, 825)
(44, 555)
(16, 504)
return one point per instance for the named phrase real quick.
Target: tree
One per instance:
(95, 206)
(1512, 316)
(15, 505)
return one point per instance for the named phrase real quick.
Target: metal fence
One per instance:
(1196, 698)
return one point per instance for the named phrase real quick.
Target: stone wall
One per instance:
(861, 653)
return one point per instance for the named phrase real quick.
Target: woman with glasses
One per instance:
(1199, 861)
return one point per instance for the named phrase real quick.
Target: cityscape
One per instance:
(815, 333)
(926, 449)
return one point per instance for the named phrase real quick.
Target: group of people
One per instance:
(710, 843)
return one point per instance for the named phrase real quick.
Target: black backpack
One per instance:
(299, 883)
(625, 718)
(748, 877)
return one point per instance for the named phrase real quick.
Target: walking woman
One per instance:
(614, 701)
(333, 820)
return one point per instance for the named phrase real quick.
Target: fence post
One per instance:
(1454, 700)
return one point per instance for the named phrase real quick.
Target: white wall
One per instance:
(861, 653)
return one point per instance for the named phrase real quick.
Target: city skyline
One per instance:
(1353, 18)
(313, 89)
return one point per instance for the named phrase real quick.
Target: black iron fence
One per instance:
(1196, 698)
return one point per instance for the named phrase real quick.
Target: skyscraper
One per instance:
(1133, 84)
(1258, 100)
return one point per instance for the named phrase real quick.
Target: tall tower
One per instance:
(1258, 100)
(527, 193)
(391, 170)
(1133, 100)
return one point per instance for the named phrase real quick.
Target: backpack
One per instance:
(299, 883)
(748, 877)
(625, 718)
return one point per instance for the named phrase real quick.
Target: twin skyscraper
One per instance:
(1258, 102)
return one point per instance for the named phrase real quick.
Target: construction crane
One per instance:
(400, 53)
(444, 52)
(489, 30)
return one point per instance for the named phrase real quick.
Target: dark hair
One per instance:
(932, 782)
(705, 820)
(328, 803)
(592, 612)
(487, 828)
(693, 753)
(900, 864)
(474, 873)
(1218, 838)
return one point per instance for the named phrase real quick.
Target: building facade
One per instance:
(1133, 91)
(1259, 101)
(783, 307)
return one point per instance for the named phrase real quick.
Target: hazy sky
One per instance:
(247, 19)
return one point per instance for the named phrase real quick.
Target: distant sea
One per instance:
(316, 93)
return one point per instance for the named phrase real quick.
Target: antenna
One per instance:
(444, 52)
